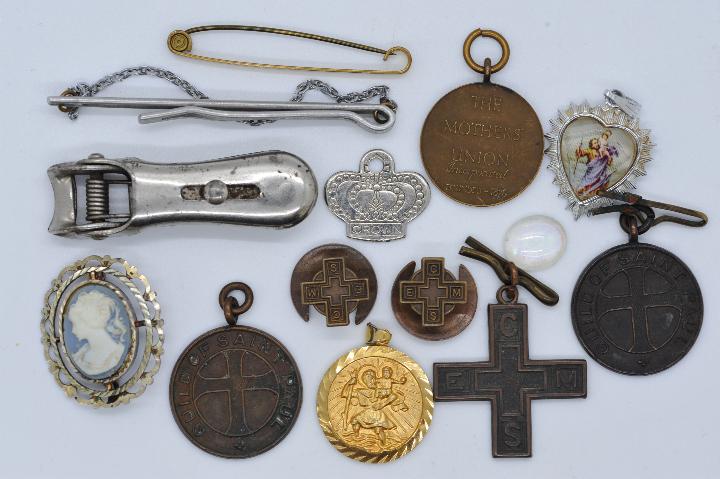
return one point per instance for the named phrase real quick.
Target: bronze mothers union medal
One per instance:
(102, 331)
(235, 391)
(482, 144)
(637, 308)
(374, 403)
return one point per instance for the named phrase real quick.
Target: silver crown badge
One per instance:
(377, 205)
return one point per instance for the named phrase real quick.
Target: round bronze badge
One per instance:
(482, 144)
(336, 280)
(637, 309)
(430, 303)
(235, 391)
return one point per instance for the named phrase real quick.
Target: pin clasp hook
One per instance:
(180, 43)
(634, 209)
(509, 274)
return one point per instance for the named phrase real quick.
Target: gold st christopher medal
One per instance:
(375, 403)
(482, 143)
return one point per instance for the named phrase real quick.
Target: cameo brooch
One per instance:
(235, 391)
(597, 148)
(375, 403)
(102, 331)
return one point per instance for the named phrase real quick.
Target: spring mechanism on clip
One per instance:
(97, 198)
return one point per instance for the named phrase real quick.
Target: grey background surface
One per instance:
(664, 54)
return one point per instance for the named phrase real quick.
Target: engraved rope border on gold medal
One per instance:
(152, 349)
(374, 348)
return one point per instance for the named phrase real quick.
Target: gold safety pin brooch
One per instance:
(180, 43)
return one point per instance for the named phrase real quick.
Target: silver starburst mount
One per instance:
(597, 148)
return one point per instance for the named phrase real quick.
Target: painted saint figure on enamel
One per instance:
(597, 148)
(595, 158)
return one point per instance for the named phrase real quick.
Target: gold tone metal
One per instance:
(375, 403)
(180, 43)
(140, 365)
(504, 57)
(377, 337)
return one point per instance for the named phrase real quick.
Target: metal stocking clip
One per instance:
(373, 117)
(274, 188)
(376, 117)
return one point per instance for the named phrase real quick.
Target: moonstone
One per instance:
(535, 242)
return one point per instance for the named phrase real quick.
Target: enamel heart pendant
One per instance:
(597, 148)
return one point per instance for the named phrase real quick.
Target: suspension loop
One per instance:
(507, 294)
(230, 305)
(505, 55)
(487, 70)
(636, 220)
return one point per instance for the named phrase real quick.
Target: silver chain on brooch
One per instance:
(83, 89)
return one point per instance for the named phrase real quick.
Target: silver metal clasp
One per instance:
(617, 99)
(274, 188)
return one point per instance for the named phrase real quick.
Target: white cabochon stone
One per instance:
(535, 242)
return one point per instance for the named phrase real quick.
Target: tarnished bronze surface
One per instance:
(637, 309)
(430, 303)
(336, 280)
(510, 380)
(482, 144)
(235, 391)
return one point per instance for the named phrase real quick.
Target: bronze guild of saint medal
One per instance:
(235, 391)
(509, 379)
(336, 280)
(482, 143)
(431, 303)
(637, 308)
(102, 331)
(374, 403)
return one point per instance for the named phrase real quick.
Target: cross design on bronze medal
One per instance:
(638, 301)
(236, 385)
(335, 292)
(432, 292)
(510, 380)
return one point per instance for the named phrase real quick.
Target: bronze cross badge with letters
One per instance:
(336, 280)
(333, 291)
(510, 380)
(430, 303)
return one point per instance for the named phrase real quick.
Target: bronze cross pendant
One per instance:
(433, 293)
(335, 291)
(510, 380)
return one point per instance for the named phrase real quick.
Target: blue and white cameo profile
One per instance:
(97, 330)
(102, 331)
